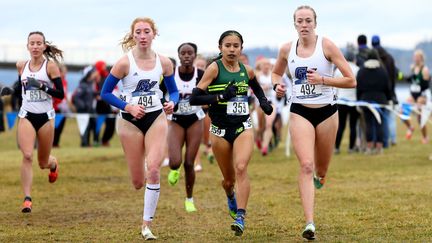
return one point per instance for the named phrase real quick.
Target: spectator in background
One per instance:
(83, 99)
(389, 118)
(373, 86)
(61, 106)
(345, 111)
(363, 50)
(102, 107)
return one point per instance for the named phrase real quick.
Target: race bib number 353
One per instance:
(238, 106)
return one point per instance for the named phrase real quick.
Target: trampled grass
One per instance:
(383, 198)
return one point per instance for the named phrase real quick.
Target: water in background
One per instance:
(9, 76)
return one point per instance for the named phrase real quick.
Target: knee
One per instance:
(189, 166)
(27, 157)
(138, 184)
(241, 168)
(306, 168)
(228, 184)
(153, 174)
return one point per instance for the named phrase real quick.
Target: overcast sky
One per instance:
(88, 29)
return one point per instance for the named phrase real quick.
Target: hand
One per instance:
(266, 106)
(280, 90)
(168, 107)
(229, 92)
(137, 111)
(313, 77)
(33, 83)
(6, 91)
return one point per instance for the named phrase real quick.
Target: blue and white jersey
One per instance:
(141, 87)
(303, 92)
(34, 99)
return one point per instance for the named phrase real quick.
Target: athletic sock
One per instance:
(27, 198)
(189, 199)
(151, 198)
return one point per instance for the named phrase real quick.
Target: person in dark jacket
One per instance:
(83, 100)
(389, 64)
(373, 86)
(363, 50)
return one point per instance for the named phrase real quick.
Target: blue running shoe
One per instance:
(238, 226)
(232, 206)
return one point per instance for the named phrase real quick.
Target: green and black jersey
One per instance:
(218, 112)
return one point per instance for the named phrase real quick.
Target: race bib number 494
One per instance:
(147, 100)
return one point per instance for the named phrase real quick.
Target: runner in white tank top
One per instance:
(186, 125)
(142, 127)
(38, 76)
(313, 118)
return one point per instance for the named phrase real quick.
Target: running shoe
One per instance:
(198, 168)
(238, 226)
(258, 143)
(190, 206)
(27, 206)
(318, 181)
(232, 206)
(173, 177)
(147, 234)
(53, 174)
(210, 157)
(409, 133)
(309, 232)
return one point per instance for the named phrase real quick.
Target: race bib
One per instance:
(200, 114)
(184, 107)
(36, 95)
(247, 124)
(146, 99)
(306, 90)
(217, 131)
(238, 106)
(415, 88)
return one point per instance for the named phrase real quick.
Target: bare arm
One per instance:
(426, 74)
(334, 55)
(280, 68)
(209, 75)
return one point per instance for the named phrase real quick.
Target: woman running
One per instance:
(314, 116)
(224, 88)
(142, 127)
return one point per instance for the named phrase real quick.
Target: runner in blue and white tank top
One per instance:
(186, 125)
(142, 127)
(313, 117)
(39, 81)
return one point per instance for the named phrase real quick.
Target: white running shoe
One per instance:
(198, 168)
(147, 234)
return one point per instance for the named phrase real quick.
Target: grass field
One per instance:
(383, 198)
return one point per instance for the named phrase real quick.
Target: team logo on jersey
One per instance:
(292, 61)
(144, 85)
(300, 74)
(135, 74)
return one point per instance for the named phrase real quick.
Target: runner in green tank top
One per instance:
(226, 81)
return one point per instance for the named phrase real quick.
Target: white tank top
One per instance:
(185, 89)
(303, 92)
(35, 100)
(265, 81)
(142, 87)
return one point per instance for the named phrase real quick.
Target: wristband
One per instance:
(322, 79)
(274, 86)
